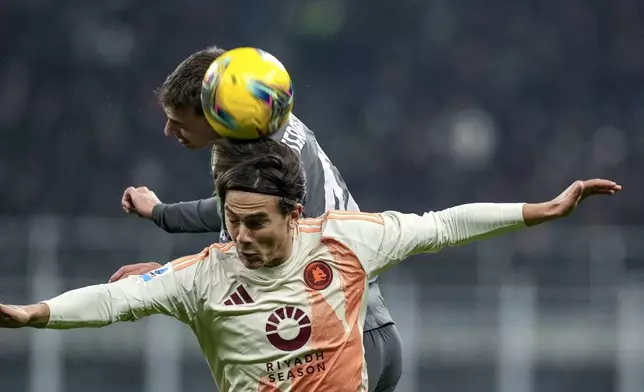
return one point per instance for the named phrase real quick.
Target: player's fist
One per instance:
(564, 204)
(140, 201)
(134, 269)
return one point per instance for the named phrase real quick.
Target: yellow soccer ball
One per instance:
(246, 94)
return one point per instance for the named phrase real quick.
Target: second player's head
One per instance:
(262, 186)
(180, 97)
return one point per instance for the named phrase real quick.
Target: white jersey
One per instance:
(294, 327)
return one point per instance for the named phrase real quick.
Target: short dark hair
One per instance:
(264, 166)
(182, 88)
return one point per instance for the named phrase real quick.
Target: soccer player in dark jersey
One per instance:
(325, 190)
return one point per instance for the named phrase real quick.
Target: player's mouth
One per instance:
(251, 260)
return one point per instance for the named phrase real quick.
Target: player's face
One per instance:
(262, 235)
(190, 129)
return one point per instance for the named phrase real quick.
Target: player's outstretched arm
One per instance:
(470, 222)
(463, 224)
(395, 236)
(91, 306)
(170, 290)
(200, 216)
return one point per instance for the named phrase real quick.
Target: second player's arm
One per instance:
(199, 216)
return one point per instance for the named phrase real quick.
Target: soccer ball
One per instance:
(246, 94)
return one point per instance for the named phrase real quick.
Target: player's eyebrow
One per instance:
(174, 120)
(256, 215)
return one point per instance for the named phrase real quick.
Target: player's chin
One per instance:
(197, 145)
(188, 145)
(252, 263)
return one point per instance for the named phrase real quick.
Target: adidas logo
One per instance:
(239, 297)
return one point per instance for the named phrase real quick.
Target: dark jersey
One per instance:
(325, 188)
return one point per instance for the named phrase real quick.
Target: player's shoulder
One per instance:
(296, 135)
(222, 247)
(223, 255)
(298, 125)
(340, 222)
(357, 231)
(211, 255)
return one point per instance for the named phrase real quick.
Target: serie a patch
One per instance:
(152, 274)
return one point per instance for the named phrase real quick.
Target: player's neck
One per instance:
(282, 254)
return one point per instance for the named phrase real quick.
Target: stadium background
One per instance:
(420, 104)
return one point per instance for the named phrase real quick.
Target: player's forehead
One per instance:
(248, 204)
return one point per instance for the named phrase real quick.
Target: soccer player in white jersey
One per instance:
(180, 97)
(281, 307)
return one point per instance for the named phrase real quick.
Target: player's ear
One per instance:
(296, 214)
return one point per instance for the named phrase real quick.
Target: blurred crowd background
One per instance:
(420, 104)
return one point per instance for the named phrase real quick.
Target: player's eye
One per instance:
(255, 224)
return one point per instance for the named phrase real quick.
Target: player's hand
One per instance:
(140, 201)
(568, 200)
(12, 316)
(134, 269)
(564, 204)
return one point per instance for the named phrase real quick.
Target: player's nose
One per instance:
(243, 236)
(168, 129)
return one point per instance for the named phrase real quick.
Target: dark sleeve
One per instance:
(200, 216)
